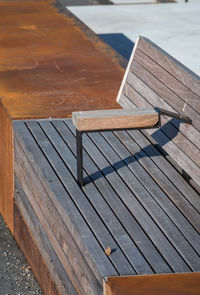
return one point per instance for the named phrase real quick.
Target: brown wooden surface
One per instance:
(155, 79)
(6, 168)
(32, 254)
(173, 284)
(51, 65)
(114, 119)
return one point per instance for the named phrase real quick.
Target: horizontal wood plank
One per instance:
(115, 119)
(170, 81)
(173, 66)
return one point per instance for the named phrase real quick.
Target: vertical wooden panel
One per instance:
(6, 168)
(32, 254)
(173, 284)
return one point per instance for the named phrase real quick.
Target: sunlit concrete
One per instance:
(173, 26)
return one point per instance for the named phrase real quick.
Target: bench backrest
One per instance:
(154, 78)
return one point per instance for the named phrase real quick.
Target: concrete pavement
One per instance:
(175, 27)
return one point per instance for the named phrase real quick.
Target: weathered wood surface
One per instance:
(129, 203)
(51, 65)
(173, 284)
(33, 254)
(46, 250)
(115, 119)
(154, 78)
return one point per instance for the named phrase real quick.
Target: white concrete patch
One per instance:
(133, 1)
(174, 27)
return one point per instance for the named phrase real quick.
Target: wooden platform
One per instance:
(134, 202)
(51, 64)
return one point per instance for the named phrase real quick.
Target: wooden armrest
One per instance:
(115, 119)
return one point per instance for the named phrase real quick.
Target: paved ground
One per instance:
(175, 27)
(16, 277)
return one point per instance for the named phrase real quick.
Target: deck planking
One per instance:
(121, 206)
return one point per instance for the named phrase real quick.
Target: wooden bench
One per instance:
(134, 203)
(135, 224)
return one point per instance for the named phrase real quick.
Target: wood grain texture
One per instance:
(30, 250)
(131, 192)
(114, 119)
(53, 266)
(175, 284)
(94, 195)
(142, 241)
(155, 79)
(173, 66)
(130, 203)
(94, 221)
(6, 168)
(78, 271)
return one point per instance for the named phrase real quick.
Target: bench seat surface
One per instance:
(134, 202)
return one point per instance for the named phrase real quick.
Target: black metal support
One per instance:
(173, 115)
(79, 150)
(79, 153)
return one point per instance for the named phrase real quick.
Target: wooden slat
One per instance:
(182, 134)
(175, 284)
(45, 253)
(163, 92)
(188, 152)
(169, 187)
(104, 237)
(97, 200)
(141, 140)
(173, 66)
(77, 269)
(75, 223)
(142, 241)
(127, 196)
(132, 160)
(149, 203)
(6, 168)
(33, 255)
(171, 82)
(153, 78)
(112, 119)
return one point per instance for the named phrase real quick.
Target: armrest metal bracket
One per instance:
(79, 148)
